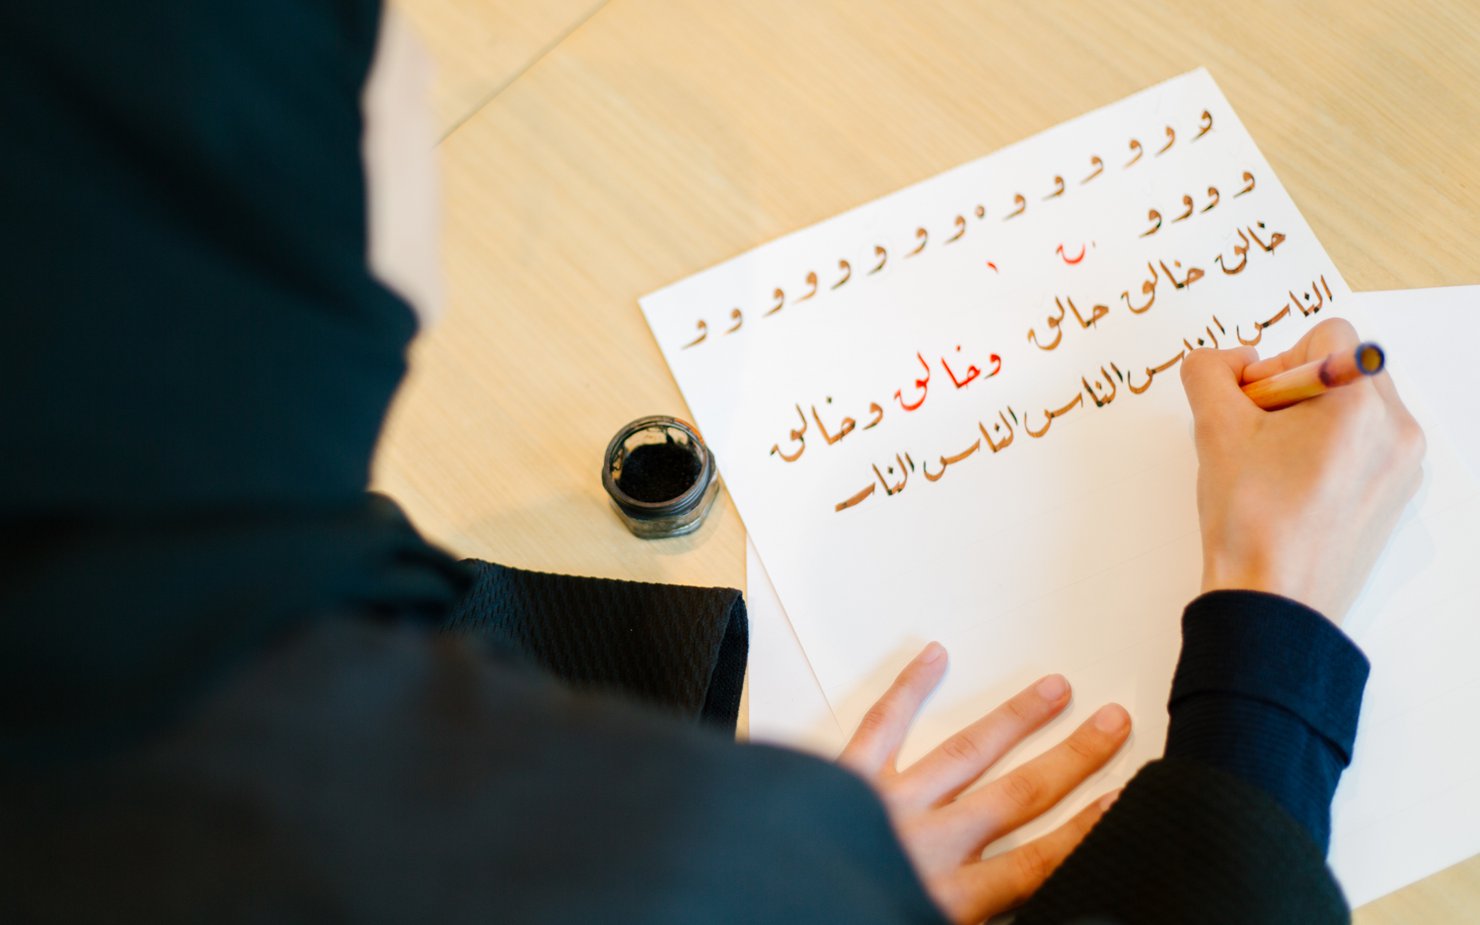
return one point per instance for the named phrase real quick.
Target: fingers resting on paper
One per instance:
(943, 826)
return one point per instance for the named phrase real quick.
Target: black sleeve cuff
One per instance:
(677, 648)
(1186, 843)
(1269, 648)
(1270, 691)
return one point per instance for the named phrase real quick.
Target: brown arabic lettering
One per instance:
(997, 429)
(1207, 125)
(1243, 253)
(1275, 240)
(1095, 391)
(1148, 288)
(855, 499)
(1053, 323)
(1098, 312)
(891, 490)
(703, 328)
(844, 428)
(797, 435)
(1171, 140)
(812, 287)
(1186, 201)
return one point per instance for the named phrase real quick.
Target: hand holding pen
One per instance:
(1299, 501)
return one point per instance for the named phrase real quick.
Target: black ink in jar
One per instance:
(661, 477)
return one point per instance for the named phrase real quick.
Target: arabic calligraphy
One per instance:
(1098, 388)
(909, 398)
(1189, 206)
(1178, 276)
(959, 227)
(1307, 305)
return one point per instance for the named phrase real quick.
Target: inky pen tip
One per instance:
(1370, 359)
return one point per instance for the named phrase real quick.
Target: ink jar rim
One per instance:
(656, 519)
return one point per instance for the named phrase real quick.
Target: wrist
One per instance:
(1228, 574)
(1225, 573)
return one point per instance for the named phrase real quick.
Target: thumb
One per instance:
(1211, 381)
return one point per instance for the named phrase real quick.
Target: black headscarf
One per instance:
(196, 359)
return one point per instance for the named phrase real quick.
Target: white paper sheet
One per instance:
(1430, 335)
(1411, 804)
(1073, 551)
(785, 704)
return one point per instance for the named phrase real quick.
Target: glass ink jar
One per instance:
(661, 477)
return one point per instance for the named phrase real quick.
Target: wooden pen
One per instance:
(1311, 379)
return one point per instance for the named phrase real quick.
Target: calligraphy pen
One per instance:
(1296, 385)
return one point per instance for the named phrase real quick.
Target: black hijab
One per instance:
(197, 360)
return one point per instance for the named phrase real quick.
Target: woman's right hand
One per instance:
(1298, 502)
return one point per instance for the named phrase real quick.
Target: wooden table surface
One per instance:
(595, 152)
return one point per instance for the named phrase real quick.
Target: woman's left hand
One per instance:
(943, 831)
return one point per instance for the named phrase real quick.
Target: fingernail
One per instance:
(1111, 718)
(1053, 688)
(932, 653)
(1108, 800)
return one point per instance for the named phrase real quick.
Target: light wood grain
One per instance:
(481, 45)
(666, 135)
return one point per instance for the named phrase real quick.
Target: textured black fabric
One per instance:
(1270, 691)
(1271, 648)
(372, 772)
(682, 649)
(109, 627)
(1188, 843)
